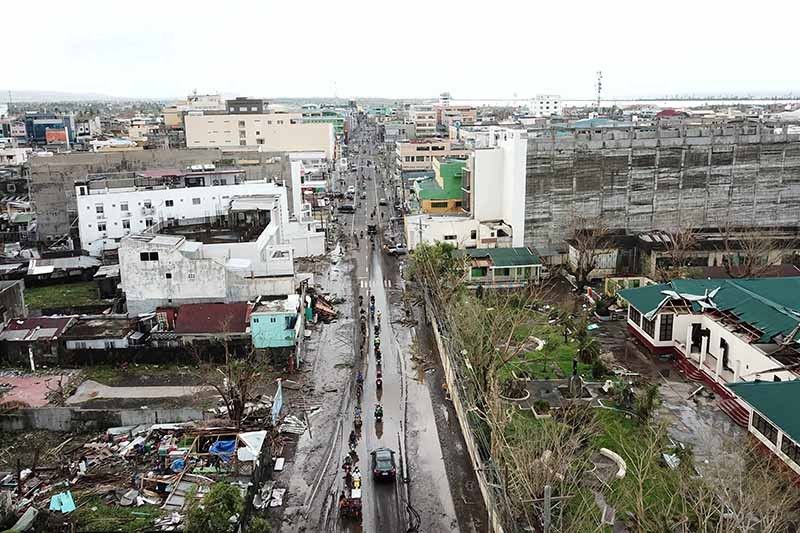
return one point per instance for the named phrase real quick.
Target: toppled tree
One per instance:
(751, 251)
(589, 239)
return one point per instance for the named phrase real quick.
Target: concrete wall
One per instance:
(640, 180)
(53, 178)
(71, 419)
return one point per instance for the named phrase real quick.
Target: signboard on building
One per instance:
(56, 136)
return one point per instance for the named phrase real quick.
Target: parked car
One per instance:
(383, 464)
(397, 249)
(383, 201)
(347, 208)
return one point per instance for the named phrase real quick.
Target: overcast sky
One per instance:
(401, 49)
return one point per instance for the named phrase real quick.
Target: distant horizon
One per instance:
(35, 96)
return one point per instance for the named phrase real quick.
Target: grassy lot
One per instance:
(93, 514)
(555, 359)
(641, 449)
(68, 295)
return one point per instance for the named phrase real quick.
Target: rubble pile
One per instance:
(159, 465)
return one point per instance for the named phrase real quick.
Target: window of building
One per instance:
(458, 203)
(649, 327)
(241, 123)
(478, 272)
(473, 234)
(253, 108)
(255, 320)
(665, 327)
(280, 122)
(242, 143)
(439, 205)
(168, 275)
(126, 224)
(502, 271)
(148, 256)
(634, 315)
(99, 209)
(148, 204)
(148, 222)
(419, 158)
(765, 428)
(258, 133)
(242, 134)
(269, 122)
(169, 203)
(195, 201)
(450, 237)
(259, 141)
(123, 207)
(273, 319)
(790, 449)
(101, 226)
(190, 275)
(289, 322)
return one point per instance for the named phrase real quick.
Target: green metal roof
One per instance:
(770, 304)
(775, 400)
(429, 189)
(506, 257)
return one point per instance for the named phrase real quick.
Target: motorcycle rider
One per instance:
(378, 411)
(352, 439)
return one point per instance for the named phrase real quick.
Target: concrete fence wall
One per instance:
(463, 422)
(73, 419)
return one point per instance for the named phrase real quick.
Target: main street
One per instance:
(421, 499)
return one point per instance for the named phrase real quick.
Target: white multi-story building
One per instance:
(494, 196)
(546, 105)
(111, 208)
(269, 132)
(170, 269)
(424, 118)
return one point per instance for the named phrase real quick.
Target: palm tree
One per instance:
(588, 348)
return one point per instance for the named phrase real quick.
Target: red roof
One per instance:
(212, 318)
(666, 113)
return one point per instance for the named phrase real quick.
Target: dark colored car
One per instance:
(383, 465)
(347, 208)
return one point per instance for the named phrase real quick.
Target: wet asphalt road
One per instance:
(408, 426)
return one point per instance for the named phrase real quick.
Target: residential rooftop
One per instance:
(775, 400)
(506, 257)
(771, 305)
(278, 304)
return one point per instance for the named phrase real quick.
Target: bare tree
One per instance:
(679, 243)
(590, 239)
(750, 251)
(236, 380)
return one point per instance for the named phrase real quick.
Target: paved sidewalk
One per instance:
(92, 390)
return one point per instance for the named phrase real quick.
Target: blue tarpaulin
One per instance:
(62, 502)
(223, 449)
(178, 465)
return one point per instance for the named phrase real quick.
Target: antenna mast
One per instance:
(599, 88)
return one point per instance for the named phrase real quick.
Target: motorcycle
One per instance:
(379, 380)
(378, 413)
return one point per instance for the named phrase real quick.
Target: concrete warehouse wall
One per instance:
(53, 178)
(73, 419)
(640, 180)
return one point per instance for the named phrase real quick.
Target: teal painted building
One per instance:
(276, 322)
